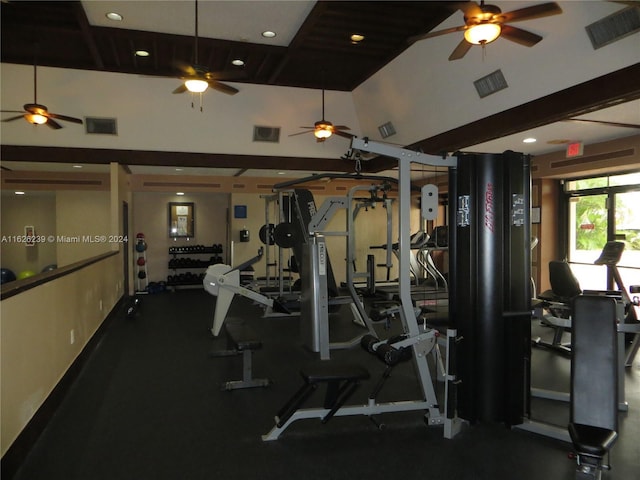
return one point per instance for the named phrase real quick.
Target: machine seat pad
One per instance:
(328, 371)
(591, 440)
(242, 337)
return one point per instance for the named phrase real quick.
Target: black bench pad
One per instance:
(328, 371)
(242, 337)
(592, 440)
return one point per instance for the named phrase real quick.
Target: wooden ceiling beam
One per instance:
(87, 35)
(165, 159)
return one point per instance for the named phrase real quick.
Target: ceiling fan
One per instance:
(38, 114)
(322, 129)
(485, 23)
(197, 78)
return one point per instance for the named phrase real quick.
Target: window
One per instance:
(603, 209)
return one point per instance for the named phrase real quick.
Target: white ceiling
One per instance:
(239, 20)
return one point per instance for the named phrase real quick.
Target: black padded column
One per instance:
(491, 269)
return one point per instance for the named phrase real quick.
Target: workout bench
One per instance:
(594, 384)
(341, 380)
(242, 340)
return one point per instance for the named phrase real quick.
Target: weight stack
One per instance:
(490, 290)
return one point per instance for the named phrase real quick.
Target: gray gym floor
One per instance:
(148, 405)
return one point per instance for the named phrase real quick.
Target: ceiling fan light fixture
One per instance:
(323, 132)
(196, 85)
(36, 118)
(482, 33)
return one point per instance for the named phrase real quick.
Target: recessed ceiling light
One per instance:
(179, 193)
(116, 17)
(19, 193)
(268, 34)
(529, 140)
(237, 62)
(142, 53)
(357, 37)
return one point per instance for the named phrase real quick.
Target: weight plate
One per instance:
(285, 235)
(266, 234)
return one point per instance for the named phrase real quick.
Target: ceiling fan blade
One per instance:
(12, 111)
(343, 134)
(422, 36)
(312, 128)
(186, 68)
(11, 119)
(461, 50)
(603, 122)
(57, 116)
(223, 87)
(225, 75)
(341, 127)
(53, 124)
(300, 133)
(181, 89)
(470, 9)
(520, 36)
(529, 13)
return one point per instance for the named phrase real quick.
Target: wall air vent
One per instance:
(266, 134)
(386, 130)
(614, 27)
(491, 83)
(102, 126)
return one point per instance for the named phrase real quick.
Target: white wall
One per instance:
(423, 94)
(150, 117)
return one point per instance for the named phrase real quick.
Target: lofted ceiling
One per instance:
(311, 49)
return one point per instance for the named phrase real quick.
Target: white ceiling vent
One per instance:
(491, 83)
(386, 130)
(102, 126)
(614, 27)
(266, 134)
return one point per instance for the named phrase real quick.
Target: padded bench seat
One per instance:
(592, 440)
(241, 337)
(242, 340)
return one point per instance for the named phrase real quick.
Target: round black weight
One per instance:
(266, 234)
(285, 235)
(388, 354)
(367, 342)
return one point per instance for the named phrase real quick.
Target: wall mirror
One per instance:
(181, 220)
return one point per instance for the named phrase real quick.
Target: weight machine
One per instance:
(417, 338)
(488, 344)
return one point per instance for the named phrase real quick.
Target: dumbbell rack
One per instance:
(179, 263)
